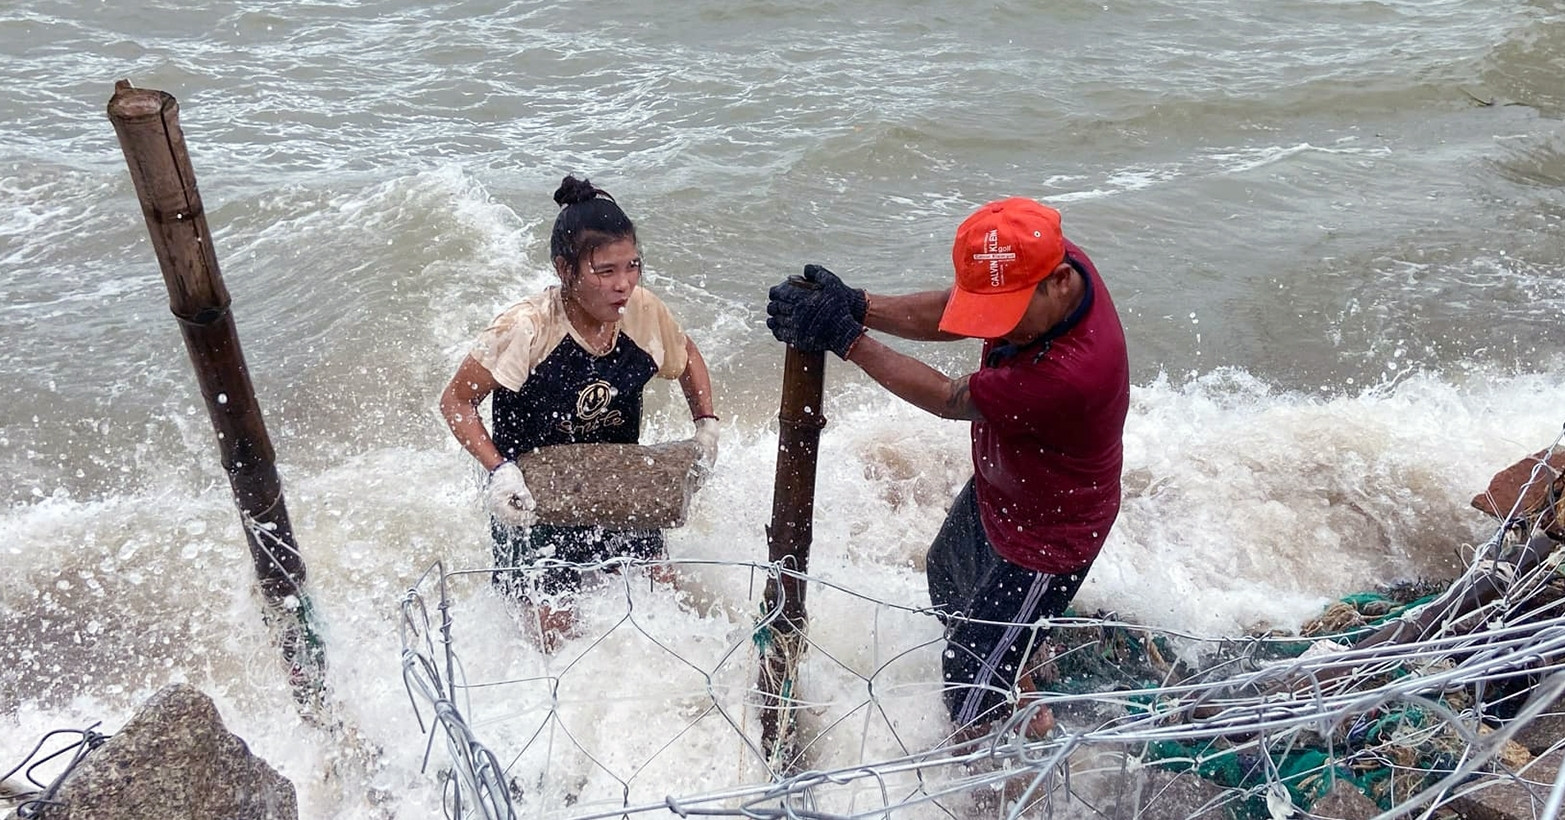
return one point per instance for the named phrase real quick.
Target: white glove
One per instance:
(706, 440)
(507, 497)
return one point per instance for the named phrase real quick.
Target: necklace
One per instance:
(596, 337)
(601, 342)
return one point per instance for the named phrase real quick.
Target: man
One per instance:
(1047, 406)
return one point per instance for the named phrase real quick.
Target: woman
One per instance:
(568, 366)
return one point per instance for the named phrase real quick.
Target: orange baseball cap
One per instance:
(1001, 254)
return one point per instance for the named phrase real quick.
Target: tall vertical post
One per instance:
(788, 537)
(147, 124)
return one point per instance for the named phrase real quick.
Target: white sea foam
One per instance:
(1245, 507)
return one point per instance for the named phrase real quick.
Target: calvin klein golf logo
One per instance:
(996, 256)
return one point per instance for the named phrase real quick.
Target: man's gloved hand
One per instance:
(858, 303)
(507, 497)
(809, 315)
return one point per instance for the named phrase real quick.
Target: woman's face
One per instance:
(603, 280)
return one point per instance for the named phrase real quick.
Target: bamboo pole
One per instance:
(147, 124)
(788, 539)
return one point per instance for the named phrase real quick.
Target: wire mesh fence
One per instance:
(1419, 701)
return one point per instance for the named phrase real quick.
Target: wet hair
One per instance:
(589, 219)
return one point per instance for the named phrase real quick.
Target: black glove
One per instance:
(857, 303)
(809, 317)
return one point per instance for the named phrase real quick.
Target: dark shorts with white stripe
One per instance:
(554, 584)
(990, 608)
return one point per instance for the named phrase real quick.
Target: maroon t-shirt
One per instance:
(1047, 455)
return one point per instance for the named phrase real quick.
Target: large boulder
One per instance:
(174, 760)
(618, 486)
(1543, 499)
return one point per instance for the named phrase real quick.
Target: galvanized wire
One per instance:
(1255, 698)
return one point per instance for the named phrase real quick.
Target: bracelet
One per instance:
(711, 416)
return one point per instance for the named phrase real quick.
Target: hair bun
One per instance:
(573, 190)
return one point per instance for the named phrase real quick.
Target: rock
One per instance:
(1542, 732)
(1505, 491)
(1168, 795)
(1510, 800)
(1344, 802)
(619, 486)
(1117, 787)
(174, 760)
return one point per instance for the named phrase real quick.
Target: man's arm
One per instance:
(913, 381)
(911, 316)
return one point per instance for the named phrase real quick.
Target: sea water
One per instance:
(1333, 230)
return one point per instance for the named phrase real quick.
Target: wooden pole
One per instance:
(788, 548)
(1460, 602)
(147, 124)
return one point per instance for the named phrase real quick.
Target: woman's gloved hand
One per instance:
(507, 497)
(706, 439)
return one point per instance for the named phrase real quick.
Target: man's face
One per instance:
(1047, 308)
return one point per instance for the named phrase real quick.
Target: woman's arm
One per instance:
(696, 382)
(459, 404)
